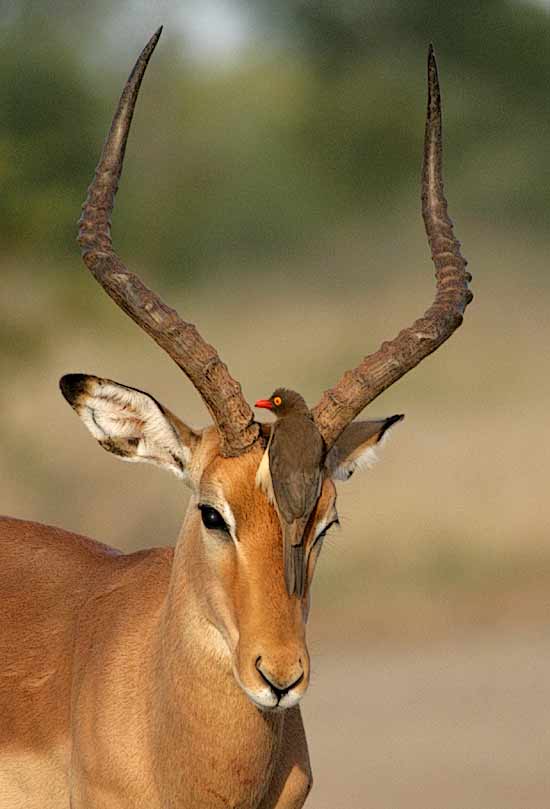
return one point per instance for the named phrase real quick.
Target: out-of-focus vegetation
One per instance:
(275, 197)
(309, 127)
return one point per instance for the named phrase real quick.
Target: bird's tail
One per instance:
(294, 557)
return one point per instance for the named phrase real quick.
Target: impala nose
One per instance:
(278, 685)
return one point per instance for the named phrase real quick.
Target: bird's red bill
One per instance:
(264, 403)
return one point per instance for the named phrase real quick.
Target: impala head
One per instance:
(231, 541)
(231, 538)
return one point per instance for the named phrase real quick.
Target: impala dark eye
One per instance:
(212, 519)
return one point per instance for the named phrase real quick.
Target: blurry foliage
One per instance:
(324, 125)
(306, 147)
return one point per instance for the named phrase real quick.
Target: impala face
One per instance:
(231, 542)
(245, 595)
(232, 536)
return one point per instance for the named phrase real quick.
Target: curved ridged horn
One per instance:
(357, 388)
(181, 340)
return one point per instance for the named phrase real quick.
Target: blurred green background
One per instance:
(271, 193)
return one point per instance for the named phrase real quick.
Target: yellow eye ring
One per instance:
(277, 401)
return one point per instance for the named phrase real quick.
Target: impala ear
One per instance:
(130, 423)
(355, 449)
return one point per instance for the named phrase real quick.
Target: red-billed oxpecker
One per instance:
(290, 473)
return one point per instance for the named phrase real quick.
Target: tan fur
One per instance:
(123, 677)
(164, 678)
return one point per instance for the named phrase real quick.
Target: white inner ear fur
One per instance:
(364, 460)
(361, 459)
(115, 413)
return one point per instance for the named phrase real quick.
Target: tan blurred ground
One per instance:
(462, 724)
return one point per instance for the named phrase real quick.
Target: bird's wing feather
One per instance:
(296, 489)
(294, 558)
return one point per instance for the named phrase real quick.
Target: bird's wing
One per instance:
(296, 487)
(294, 559)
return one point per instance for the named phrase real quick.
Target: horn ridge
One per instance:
(360, 386)
(181, 340)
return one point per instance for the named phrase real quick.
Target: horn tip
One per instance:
(152, 44)
(147, 51)
(432, 66)
(434, 94)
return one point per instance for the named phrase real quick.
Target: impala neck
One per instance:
(199, 711)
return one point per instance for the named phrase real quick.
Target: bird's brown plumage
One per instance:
(296, 454)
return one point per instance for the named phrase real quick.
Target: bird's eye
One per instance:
(212, 519)
(277, 401)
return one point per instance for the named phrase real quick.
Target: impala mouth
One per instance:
(267, 700)
(268, 697)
